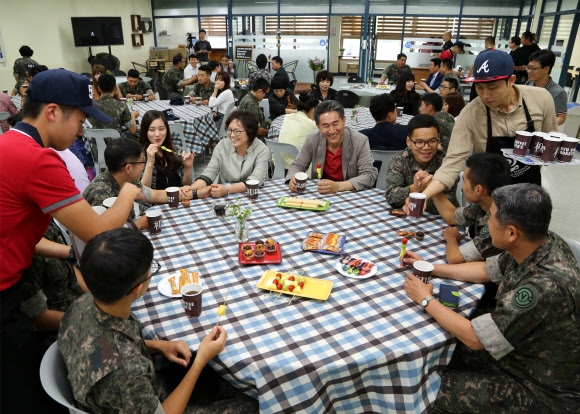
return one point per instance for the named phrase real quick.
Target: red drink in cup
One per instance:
(192, 300)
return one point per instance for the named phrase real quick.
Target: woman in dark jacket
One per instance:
(282, 101)
(405, 95)
(323, 91)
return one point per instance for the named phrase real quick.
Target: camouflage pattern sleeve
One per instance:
(472, 214)
(446, 123)
(398, 183)
(171, 81)
(126, 119)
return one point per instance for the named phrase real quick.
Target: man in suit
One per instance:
(435, 77)
(280, 71)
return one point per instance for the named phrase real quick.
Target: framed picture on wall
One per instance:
(2, 51)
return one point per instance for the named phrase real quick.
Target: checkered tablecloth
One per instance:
(198, 124)
(17, 100)
(368, 348)
(364, 121)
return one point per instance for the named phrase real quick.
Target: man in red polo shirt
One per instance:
(343, 154)
(36, 185)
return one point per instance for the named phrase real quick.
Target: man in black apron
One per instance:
(489, 123)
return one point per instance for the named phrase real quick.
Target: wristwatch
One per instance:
(194, 194)
(425, 301)
(72, 258)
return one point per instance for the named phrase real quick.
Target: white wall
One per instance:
(45, 26)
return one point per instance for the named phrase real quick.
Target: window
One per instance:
(215, 26)
(298, 26)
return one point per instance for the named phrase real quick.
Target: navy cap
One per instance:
(491, 65)
(169, 115)
(65, 88)
(459, 44)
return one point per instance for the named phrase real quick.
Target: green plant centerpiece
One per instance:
(240, 214)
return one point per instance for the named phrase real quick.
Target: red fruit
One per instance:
(318, 165)
(404, 241)
(291, 278)
(301, 284)
(279, 275)
(279, 287)
(291, 288)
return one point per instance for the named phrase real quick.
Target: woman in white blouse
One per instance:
(221, 98)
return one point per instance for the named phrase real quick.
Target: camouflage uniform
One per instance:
(400, 177)
(110, 62)
(446, 123)
(392, 72)
(480, 248)
(49, 284)
(531, 361)
(140, 89)
(21, 65)
(172, 81)
(454, 76)
(259, 74)
(199, 91)
(250, 103)
(105, 186)
(110, 369)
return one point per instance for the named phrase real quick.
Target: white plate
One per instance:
(108, 202)
(338, 266)
(164, 286)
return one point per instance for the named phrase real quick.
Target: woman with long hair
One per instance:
(298, 125)
(98, 70)
(221, 98)
(405, 95)
(163, 168)
(453, 103)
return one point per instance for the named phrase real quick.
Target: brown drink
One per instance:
(537, 143)
(567, 149)
(522, 142)
(301, 181)
(423, 270)
(416, 204)
(252, 189)
(550, 149)
(172, 196)
(192, 299)
(154, 221)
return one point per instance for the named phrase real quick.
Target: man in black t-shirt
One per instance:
(202, 47)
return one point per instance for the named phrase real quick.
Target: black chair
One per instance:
(119, 73)
(292, 85)
(355, 79)
(291, 68)
(348, 99)
(313, 86)
(163, 94)
(140, 67)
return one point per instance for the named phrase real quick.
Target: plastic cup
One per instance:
(567, 149)
(550, 149)
(154, 221)
(423, 270)
(416, 204)
(192, 299)
(252, 189)
(172, 196)
(522, 142)
(301, 181)
(219, 209)
(537, 143)
(399, 111)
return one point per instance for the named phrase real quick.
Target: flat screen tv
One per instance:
(97, 31)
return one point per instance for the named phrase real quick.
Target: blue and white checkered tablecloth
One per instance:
(198, 124)
(368, 348)
(365, 120)
(17, 100)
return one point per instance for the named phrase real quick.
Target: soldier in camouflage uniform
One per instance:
(49, 284)
(525, 354)
(394, 70)
(173, 79)
(108, 362)
(423, 131)
(136, 88)
(432, 104)
(251, 103)
(21, 65)
(204, 87)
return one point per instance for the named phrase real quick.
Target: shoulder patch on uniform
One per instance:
(526, 297)
(484, 230)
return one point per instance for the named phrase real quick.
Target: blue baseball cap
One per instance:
(65, 88)
(490, 66)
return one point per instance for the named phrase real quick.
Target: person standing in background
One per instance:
(202, 47)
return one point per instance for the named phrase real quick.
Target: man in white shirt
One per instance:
(191, 70)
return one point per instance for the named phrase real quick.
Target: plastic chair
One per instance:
(119, 73)
(572, 125)
(250, 67)
(100, 136)
(459, 192)
(355, 79)
(291, 68)
(222, 132)
(385, 157)
(54, 379)
(265, 105)
(63, 231)
(4, 115)
(176, 131)
(575, 247)
(348, 99)
(277, 149)
(292, 85)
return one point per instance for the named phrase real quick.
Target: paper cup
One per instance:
(567, 149)
(187, 99)
(301, 181)
(154, 221)
(416, 203)
(191, 295)
(219, 209)
(108, 202)
(537, 143)
(399, 111)
(559, 135)
(252, 189)
(522, 142)
(550, 149)
(423, 270)
(146, 98)
(172, 196)
(198, 100)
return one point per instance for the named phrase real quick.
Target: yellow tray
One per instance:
(313, 288)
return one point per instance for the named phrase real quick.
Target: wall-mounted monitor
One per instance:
(97, 31)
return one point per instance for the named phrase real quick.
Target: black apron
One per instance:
(520, 172)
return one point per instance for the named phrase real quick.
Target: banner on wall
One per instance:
(2, 51)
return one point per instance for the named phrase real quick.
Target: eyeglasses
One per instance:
(235, 132)
(531, 68)
(445, 87)
(155, 267)
(420, 143)
(135, 162)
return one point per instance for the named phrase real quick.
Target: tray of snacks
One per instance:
(303, 203)
(330, 243)
(260, 252)
(383, 87)
(171, 285)
(301, 286)
(355, 267)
